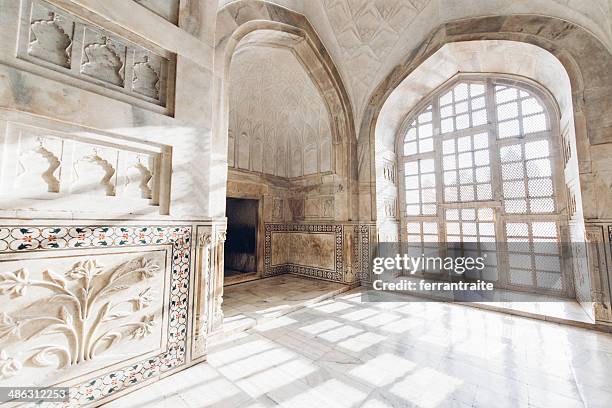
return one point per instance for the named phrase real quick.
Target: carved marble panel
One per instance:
(51, 34)
(296, 207)
(389, 171)
(103, 57)
(278, 209)
(389, 207)
(71, 314)
(101, 308)
(304, 249)
(312, 207)
(47, 163)
(56, 39)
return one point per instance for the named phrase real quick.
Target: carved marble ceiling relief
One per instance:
(366, 32)
(278, 123)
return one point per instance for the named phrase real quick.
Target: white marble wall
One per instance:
(105, 172)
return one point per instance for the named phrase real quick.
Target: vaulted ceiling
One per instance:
(367, 38)
(278, 124)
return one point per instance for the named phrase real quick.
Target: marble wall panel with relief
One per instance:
(98, 308)
(99, 59)
(48, 165)
(335, 252)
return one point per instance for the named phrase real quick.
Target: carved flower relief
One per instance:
(103, 61)
(9, 326)
(14, 283)
(92, 282)
(8, 366)
(144, 328)
(85, 269)
(49, 41)
(146, 80)
(144, 299)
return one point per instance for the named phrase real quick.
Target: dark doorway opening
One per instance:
(241, 242)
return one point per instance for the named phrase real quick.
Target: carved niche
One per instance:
(103, 57)
(62, 41)
(277, 209)
(275, 104)
(50, 35)
(146, 76)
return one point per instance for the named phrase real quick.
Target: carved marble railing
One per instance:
(56, 39)
(45, 161)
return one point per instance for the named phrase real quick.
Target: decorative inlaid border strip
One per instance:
(42, 238)
(364, 240)
(336, 275)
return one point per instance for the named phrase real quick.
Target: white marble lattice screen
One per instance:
(478, 162)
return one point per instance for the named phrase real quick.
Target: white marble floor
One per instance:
(250, 303)
(343, 352)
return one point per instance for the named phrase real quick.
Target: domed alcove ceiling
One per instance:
(278, 121)
(367, 38)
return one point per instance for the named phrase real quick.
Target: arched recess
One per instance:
(240, 23)
(586, 62)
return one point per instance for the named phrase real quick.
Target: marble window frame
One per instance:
(553, 135)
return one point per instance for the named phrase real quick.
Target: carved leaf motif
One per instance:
(88, 269)
(43, 357)
(50, 329)
(116, 315)
(54, 278)
(144, 328)
(9, 326)
(144, 299)
(66, 316)
(60, 298)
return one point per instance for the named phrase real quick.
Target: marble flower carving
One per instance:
(80, 310)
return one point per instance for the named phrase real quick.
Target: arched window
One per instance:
(479, 161)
